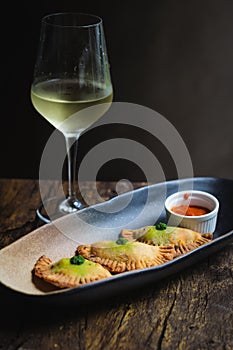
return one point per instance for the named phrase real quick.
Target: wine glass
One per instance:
(71, 73)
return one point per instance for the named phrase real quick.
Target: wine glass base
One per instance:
(54, 208)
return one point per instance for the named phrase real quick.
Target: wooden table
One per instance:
(190, 310)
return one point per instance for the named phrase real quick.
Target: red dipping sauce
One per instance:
(190, 210)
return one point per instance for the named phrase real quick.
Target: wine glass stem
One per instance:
(72, 148)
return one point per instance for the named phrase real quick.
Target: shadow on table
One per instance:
(19, 309)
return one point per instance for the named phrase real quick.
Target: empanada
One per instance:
(183, 239)
(125, 257)
(65, 274)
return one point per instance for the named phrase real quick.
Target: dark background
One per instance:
(175, 57)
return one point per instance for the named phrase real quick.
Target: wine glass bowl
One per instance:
(71, 74)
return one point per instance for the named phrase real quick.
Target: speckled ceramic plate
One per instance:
(134, 209)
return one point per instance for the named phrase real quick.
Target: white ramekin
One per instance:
(202, 223)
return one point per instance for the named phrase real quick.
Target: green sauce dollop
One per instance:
(77, 260)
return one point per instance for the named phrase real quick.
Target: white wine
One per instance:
(63, 103)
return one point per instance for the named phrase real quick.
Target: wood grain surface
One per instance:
(189, 310)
